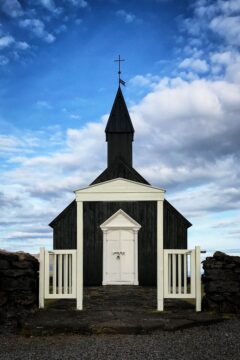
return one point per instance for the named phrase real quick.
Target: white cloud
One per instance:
(147, 80)
(223, 58)
(198, 65)
(228, 28)
(127, 17)
(6, 41)
(229, 7)
(11, 8)
(227, 62)
(38, 29)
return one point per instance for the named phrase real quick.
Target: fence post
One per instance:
(160, 258)
(79, 267)
(41, 277)
(198, 277)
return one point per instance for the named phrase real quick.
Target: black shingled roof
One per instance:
(119, 170)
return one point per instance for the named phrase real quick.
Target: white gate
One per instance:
(182, 275)
(57, 275)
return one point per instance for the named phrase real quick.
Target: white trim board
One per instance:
(120, 190)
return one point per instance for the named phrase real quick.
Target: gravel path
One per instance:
(219, 341)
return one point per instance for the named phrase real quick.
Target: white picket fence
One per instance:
(57, 275)
(182, 275)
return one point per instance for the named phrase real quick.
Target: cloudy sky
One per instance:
(57, 84)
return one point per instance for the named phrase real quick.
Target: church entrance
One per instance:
(120, 250)
(120, 257)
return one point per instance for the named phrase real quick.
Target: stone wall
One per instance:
(18, 285)
(221, 283)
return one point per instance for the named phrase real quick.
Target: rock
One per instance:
(4, 264)
(219, 255)
(5, 255)
(24, 299)
(3, 298)
(22, 257)
(21, 283)
(220, 286)
(221, 283)
(23, 264)
(18, 286)
(216, 274)
(14, 273)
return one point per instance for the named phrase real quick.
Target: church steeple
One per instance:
(119, 132)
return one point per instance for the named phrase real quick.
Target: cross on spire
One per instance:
(119, 60)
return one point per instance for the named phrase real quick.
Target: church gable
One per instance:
(118, 187)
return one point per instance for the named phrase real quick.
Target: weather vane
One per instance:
(120, 81)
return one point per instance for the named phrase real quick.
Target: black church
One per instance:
(119, 233)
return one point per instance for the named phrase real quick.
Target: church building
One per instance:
(121, 218)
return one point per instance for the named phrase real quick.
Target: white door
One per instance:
(120, 259)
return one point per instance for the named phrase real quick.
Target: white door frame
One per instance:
(120, 190)
(111, 224)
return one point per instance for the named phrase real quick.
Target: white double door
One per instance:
(120, 257)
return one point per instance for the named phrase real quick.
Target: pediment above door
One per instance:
(120, 220)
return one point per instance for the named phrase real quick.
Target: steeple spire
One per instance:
(119, 131)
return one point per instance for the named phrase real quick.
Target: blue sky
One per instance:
(57, 83)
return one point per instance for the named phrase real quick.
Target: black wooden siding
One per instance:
(95, 213)
(65, 228)
(174, 228)
(120, 146)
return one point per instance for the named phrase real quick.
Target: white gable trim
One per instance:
(129, 224)
(120, 190)
(116, 179)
